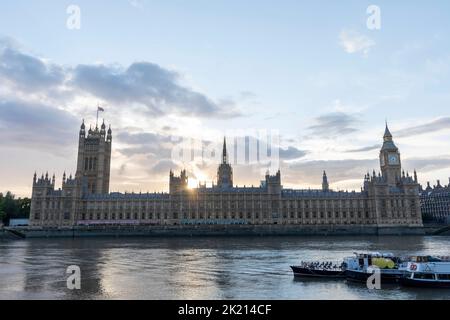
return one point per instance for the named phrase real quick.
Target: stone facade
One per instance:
(387, 199)
(435, 203)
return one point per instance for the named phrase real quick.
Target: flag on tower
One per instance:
(98, 110)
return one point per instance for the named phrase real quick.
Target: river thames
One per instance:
(197, 268)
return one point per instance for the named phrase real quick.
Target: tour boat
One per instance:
(363, 265)
(427, 271)
(319, 270)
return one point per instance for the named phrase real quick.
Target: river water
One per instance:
(197, 268)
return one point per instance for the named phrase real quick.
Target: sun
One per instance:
(192, 183)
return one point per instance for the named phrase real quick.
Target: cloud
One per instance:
(136, 3)
(27, 72)
(338, 170)
(150, 85)
(333, 124)
(36, 125)
(432, 126)
(310, 172)
(353, 42)
(145, 85)
(145, 143)
(428, 164)
(142, 138)
(292, 153)
(364, 149)
(163, 167)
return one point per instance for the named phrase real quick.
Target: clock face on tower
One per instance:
(393, 159)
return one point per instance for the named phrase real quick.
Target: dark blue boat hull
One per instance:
(363, 276)
(317, 273)
(417, 283)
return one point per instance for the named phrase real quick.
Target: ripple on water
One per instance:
(197, 268)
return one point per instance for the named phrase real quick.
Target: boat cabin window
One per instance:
(444, 277)
(427, 276)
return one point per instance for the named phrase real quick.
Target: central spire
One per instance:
(325, 184)
(224, 152)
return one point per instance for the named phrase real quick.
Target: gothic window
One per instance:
(86, 161)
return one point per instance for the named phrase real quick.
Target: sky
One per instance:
(315, 72)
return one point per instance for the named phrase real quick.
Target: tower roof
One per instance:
(388, 143)
(387, 133)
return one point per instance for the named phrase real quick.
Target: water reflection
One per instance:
(197, 268)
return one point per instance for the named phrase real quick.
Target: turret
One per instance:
(225, 172)
(109, 136)
(178, 184)
(82, 130)
(325, 185)
(273, 183)
(103, 129)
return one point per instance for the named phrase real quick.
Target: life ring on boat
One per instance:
(413, 267)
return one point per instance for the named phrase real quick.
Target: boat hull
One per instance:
(317, 273)
(360, 276)
(419, 283)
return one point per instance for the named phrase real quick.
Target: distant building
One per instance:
(387, 199)
(435, 203)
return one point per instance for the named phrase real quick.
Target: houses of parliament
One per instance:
(389, 198)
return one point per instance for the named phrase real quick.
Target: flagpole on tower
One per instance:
(98, 108)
